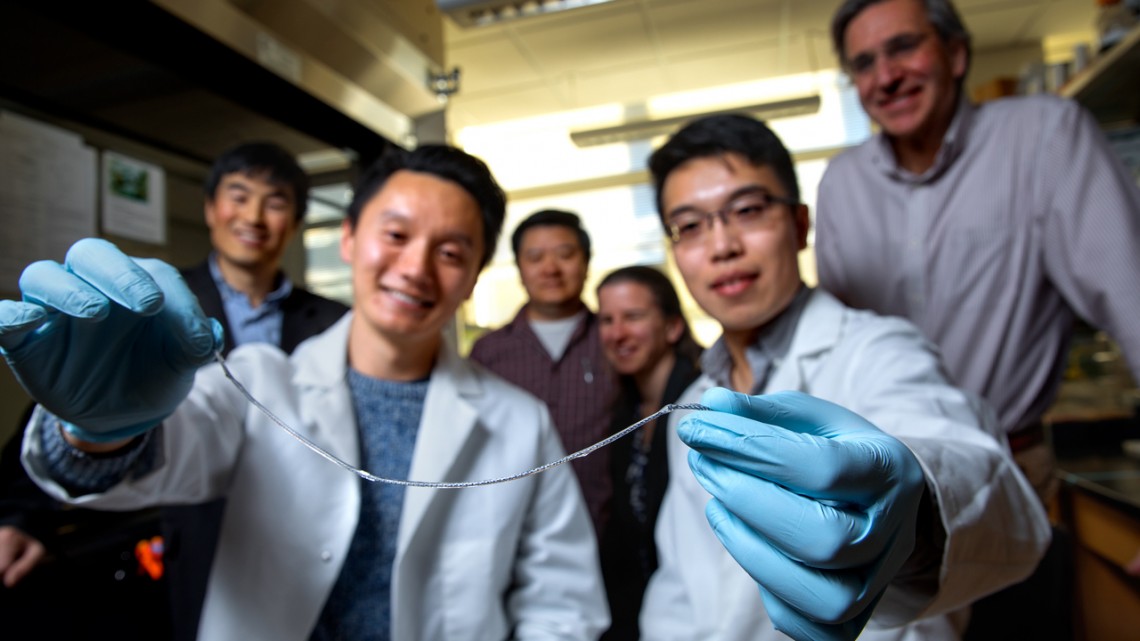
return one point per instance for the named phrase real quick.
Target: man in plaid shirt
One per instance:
(551, 348)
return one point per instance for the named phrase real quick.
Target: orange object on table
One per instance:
(149, 555)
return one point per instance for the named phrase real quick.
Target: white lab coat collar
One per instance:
(816, 333)
(448, 422)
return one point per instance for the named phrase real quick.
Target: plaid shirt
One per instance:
(578, 389)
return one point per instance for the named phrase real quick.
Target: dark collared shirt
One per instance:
(578, 389)
(249, 324)
(766, 353)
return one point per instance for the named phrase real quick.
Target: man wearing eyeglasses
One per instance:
(991, 227)
(860, 488)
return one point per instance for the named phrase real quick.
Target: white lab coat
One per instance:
(471, 564)
(881, 368)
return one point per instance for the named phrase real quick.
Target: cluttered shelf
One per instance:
(1097, 384)
(1110, 86)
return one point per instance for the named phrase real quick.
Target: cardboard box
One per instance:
(995, 88)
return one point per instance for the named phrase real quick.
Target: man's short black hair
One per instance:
(552, 218)
(719, 135)
(263, 160)
(447, 163)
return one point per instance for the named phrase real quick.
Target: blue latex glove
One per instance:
(107, 343)
(815, 503)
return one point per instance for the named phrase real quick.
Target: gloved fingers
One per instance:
(816, 533)
(17, 320)
(849, 471)
(49, 284)
(115, 274)
(828, 596)
(192, 338)
(788, 620)
(790, 410)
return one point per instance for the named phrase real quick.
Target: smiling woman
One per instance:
(647, 341)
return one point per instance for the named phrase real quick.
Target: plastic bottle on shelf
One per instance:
(1114, 20)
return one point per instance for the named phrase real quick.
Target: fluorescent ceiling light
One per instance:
(479, 13)
(646, 129)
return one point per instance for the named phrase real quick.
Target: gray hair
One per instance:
(941, 14)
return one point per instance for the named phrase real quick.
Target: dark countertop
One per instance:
(1090, 457)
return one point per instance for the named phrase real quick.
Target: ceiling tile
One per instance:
(456, 36)
(694, 26)
(732, 67)
(496, 107)
(1060, 18)
(490, 64)
(815, 17)
(618, 39)
(623, 86)
(998, 26)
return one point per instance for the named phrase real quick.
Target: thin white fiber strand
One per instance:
(672, 407)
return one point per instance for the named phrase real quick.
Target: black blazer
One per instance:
(190, 532)
(628, 551)
(305, 313)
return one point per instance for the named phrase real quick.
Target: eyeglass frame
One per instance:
(896, 49)
(725, 213)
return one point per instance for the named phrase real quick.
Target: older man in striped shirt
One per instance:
(991, 227)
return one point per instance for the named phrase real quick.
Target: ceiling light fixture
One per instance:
(480, 13)
(444, 84)
(646, 129)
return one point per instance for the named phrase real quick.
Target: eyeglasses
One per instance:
(750, 211)
(896, 49)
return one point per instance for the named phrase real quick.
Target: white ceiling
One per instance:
(628, 50)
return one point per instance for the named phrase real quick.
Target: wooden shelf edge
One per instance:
(1100, 66)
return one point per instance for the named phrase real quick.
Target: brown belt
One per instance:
(1026, 437)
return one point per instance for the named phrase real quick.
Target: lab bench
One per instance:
(1099, 504)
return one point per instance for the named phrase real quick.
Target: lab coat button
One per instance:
(326, 556)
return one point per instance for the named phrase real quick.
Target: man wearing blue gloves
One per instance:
(862, 490)
(115, 350)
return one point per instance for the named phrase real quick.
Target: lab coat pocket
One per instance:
(473, 601)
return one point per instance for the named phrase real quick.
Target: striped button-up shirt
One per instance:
(579, 389)
(1026, 219)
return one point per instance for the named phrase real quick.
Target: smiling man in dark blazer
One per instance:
(256, 197)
